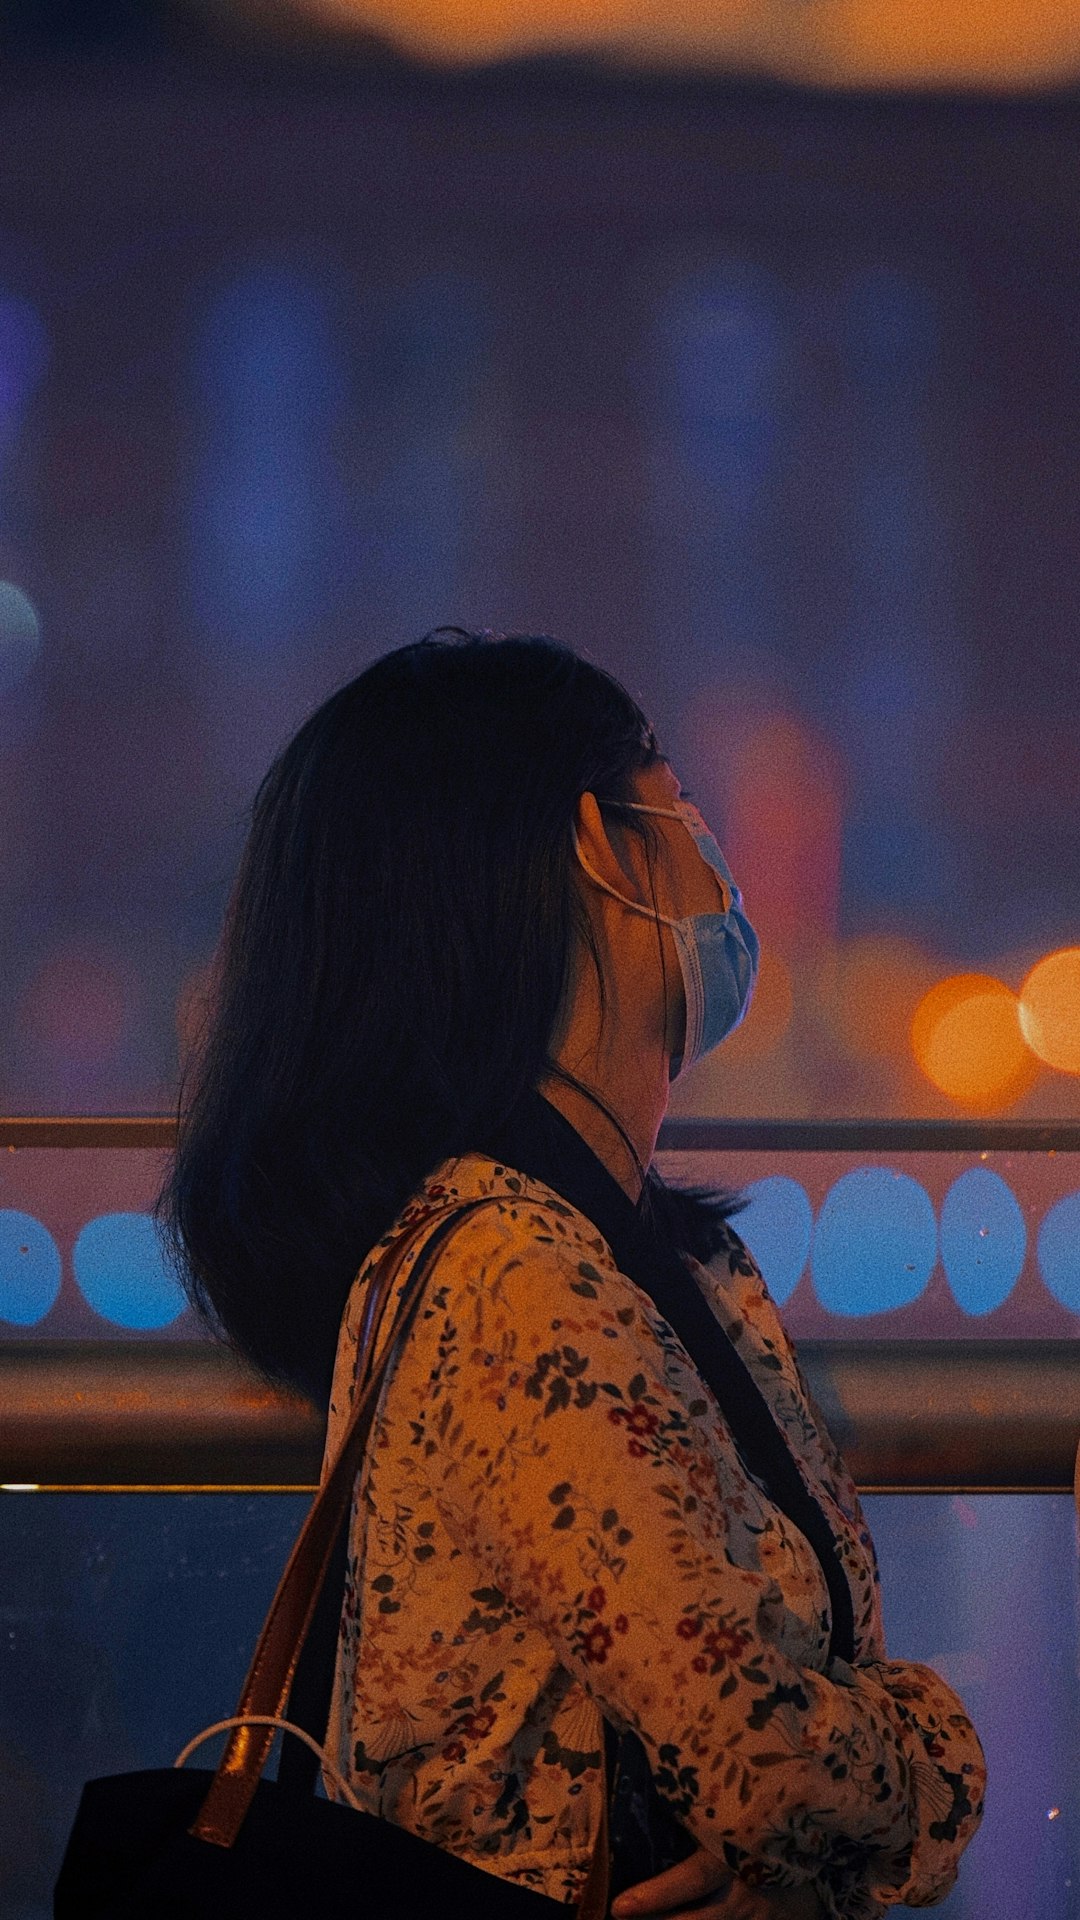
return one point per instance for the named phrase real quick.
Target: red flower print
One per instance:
(689, 1626)
(595, 1601)
(474, 1725)
(597, 1643)
(637, 1418)
(724, 1644)
(699, 1663)
(636, 1449)
(622, 1624)
(455, 1751)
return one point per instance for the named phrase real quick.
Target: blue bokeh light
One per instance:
(728, 338)
(120, 1268)
(24, 354)
(983, 1240)
(29, 1268)
(875, 1242)
(269, 385)
(776, 1225)
(1059, 1251)
(20, 635)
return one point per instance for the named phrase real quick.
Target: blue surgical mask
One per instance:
(718, 952)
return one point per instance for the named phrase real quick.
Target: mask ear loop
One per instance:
(653, 914)
(631, 905)
(674, 813)
(649, 849)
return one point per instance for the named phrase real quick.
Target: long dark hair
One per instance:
(396, 950)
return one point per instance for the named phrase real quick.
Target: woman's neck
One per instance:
(641, 1121)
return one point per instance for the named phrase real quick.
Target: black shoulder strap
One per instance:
(761, 1446)
(538, 1140)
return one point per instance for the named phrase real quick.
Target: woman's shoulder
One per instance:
(524, 1266)
(500, 1203)
(509, 1222)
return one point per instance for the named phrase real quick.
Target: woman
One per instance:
(476, 932)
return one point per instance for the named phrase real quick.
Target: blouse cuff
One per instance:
(948, 1779)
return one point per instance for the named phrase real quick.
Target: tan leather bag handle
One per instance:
(273, 1664)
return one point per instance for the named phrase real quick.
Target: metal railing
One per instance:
(927, 1416)
(676, 1135)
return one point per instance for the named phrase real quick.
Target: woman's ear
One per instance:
(606, 853)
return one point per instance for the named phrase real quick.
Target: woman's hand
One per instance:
(701, 1888)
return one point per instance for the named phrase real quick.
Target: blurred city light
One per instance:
(120, 1269)
(20, 635)
(24, 354)
(966, 1037)
(776, 1225)
(1059, 1251)
(875, 1242)
(289, 429)
(1050, 1009)
(267, 387)
(29, 1268)
(983, 1240)
(1019, 43)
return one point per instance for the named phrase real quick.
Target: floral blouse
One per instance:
(552, 1524)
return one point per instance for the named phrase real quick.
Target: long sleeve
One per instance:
(599, 1499)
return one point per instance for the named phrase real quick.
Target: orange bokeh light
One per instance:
(966, 1037)
(1050, 1009)
(840, 43)
(991, 43)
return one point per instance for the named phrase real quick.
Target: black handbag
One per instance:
(185, 1844)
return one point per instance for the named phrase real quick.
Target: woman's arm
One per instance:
(567, 1468)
